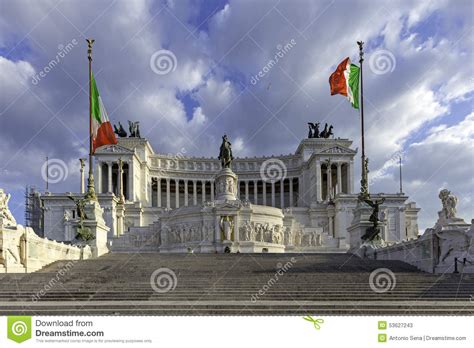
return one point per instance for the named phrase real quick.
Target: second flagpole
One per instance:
(364, 185)
(90, 181)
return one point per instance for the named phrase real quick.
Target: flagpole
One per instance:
(90, 181)
(364, 188)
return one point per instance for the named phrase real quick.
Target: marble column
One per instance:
(186, 201)
(176, 190)
(291, 191)
(264, 192)
(158, 192)
(98, 177)
(282, 193)
(120, 180)
(331, 226)
(194, 192)
(319, 182)
(83, 187)
(339, 177)
(131, 188)
(109, 177)
(255, 192)
(350, 178)
(203, 191)
(212, 190)
(329, 181)
(273, 193)
(246, 190)
(168, 194)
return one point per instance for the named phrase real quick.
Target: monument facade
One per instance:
(173, 203)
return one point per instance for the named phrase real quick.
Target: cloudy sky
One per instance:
(418, 81)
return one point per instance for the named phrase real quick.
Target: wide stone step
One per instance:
(119, 283)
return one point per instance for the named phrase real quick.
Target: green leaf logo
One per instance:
(19, 328)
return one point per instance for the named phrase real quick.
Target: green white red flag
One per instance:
(102, 132)
(345, 81)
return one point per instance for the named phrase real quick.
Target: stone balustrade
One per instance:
(22, 251)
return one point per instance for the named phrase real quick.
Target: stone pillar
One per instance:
(131, 188)
(168, 194)
(291, 191)
(339, 178)
(186, 201)
(109, 177)
(246, 190)
(203, 183)
(212, 190)
(176, 192)
(329, 181)
(120, 181)
(194, 192)
(350, 177)
(255, 192)
(98, 177)
(226, 185)
(319, 182)
(83, 188)
(273, 193)
(331, 226)
(282, 193)
(158, 192)
(264, 189)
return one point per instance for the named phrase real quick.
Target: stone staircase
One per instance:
(137, 239)
(233, 284)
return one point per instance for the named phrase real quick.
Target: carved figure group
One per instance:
(449, 202)
(134, 128)
(5, 214)
(120, 131)
(314, 131)
(182, 233)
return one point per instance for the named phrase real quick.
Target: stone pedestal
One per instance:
(358, 228)
(226, 185)
(95, 222)
(120, 219)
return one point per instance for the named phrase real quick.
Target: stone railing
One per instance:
(22, 251)
(435, 251)
(421, 252)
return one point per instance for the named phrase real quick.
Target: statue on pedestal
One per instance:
(449, 202)
(83, 233)
(373, 232)
(225, 153)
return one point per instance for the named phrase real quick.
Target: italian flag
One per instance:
(345, 81)
(102, 132)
